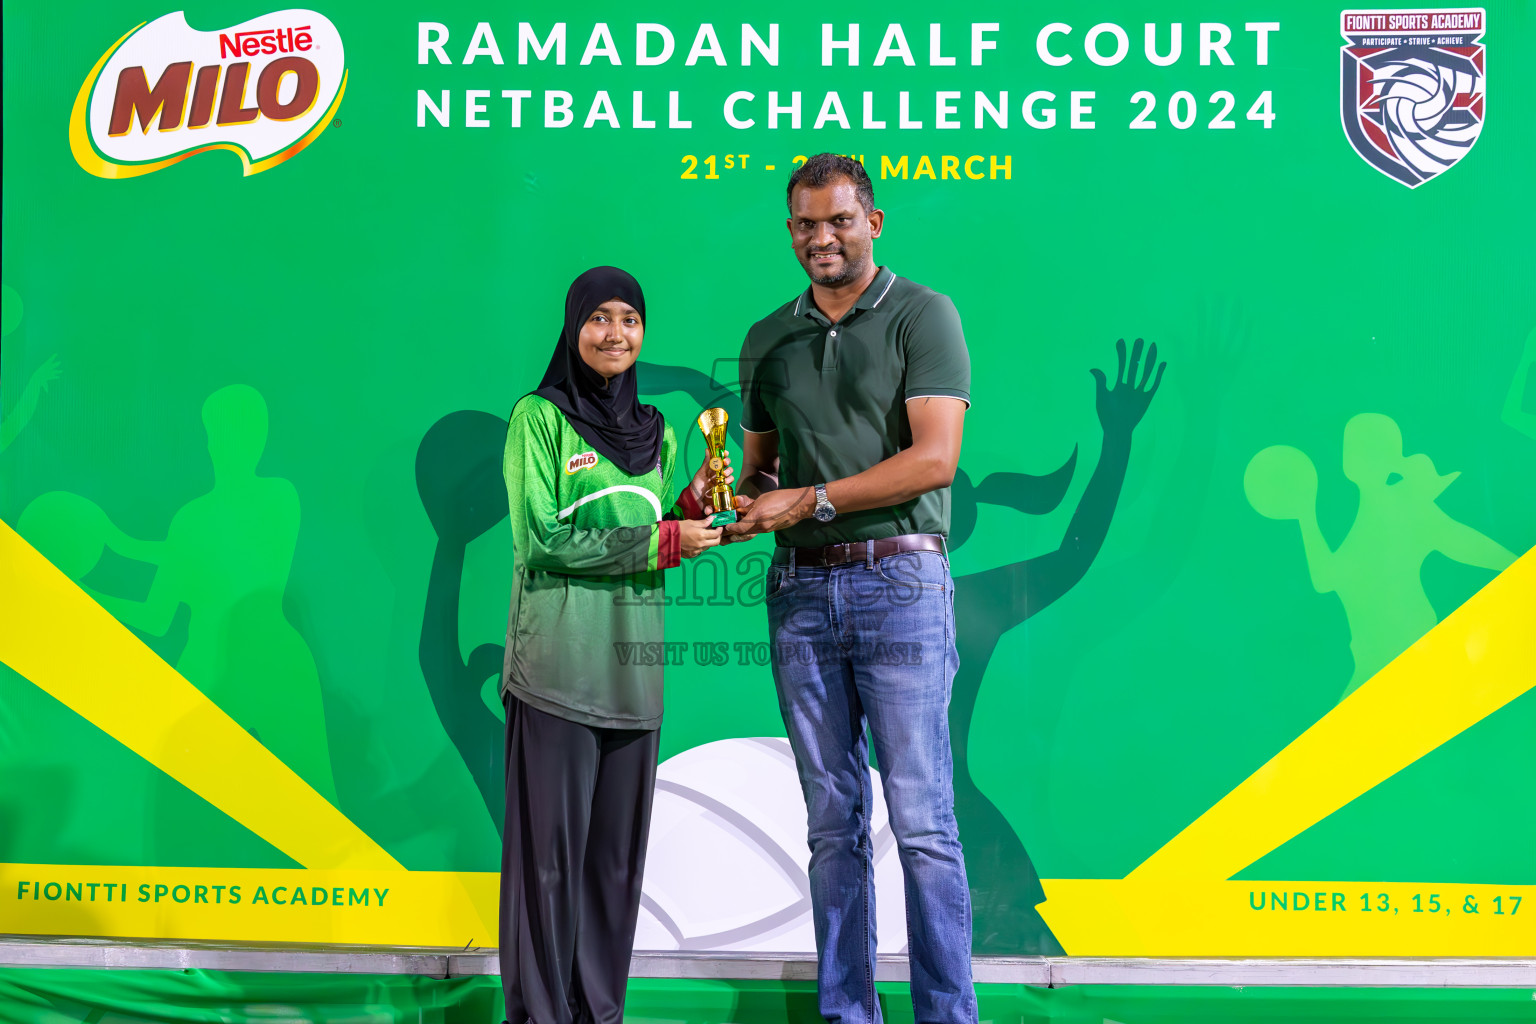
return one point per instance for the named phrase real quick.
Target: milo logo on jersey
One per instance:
(263, 90)
(1412, 88)
(586, 460)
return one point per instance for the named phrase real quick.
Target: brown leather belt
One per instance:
(856, 551)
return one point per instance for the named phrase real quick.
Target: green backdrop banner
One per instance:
(274, 278)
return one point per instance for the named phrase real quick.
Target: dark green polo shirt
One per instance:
(837, 395)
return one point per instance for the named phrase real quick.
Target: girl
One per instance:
(588, 469)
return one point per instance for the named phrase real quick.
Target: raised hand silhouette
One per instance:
(1120, 408)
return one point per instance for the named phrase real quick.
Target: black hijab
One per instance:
(610, 419)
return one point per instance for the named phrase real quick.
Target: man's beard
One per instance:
(851, 271)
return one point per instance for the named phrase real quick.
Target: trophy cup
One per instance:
(717, 491)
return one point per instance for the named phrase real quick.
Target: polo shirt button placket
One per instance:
(829, 352)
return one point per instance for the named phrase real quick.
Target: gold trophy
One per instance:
(717, 492)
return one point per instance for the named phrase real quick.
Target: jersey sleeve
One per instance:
(529, 465)
(686, 506)
(938, 363)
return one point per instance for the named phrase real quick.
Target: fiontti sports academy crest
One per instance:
(1412, 88)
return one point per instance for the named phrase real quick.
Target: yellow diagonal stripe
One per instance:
(67, 644)
(1480, 658)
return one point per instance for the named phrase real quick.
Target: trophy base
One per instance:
(722, 517)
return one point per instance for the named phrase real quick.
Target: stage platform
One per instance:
(1045, 972)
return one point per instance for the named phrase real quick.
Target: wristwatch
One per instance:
(824, 511)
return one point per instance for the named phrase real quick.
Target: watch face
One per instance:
(825, 515)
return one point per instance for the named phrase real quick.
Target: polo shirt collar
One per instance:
(805, 305)
(876, 290)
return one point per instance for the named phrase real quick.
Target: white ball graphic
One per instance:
(726, 864)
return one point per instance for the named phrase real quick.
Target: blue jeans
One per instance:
(873, 643)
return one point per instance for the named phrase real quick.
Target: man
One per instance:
(853, 401)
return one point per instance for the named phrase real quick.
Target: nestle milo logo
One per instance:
(263, 90)
(585, 460)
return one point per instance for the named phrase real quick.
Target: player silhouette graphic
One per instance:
(459, 476)
(226, 556)
(1375, 570)
(1005, 888)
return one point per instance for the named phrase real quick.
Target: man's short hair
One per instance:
(823, 169)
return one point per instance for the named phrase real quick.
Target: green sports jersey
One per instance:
(589, 547)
